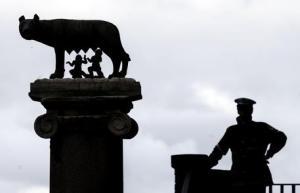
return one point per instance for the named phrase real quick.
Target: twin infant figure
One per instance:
(77, 71)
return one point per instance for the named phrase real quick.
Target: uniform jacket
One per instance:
(250, 143)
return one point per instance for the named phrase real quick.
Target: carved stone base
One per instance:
(86, 121)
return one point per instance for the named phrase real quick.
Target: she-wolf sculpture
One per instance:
(75, 35)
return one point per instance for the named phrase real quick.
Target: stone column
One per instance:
(86, 121)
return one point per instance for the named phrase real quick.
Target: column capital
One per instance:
(78, 104)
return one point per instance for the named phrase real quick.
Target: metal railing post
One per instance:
(281, 188)
(293, 188)
(270, 189)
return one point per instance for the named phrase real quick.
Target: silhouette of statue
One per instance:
(75, 35)
(95, 60)
(77, 71)
(249, 142)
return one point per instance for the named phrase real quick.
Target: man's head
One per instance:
(244, 106)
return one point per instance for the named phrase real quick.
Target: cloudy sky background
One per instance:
(192, 57)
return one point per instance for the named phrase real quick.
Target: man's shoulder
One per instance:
(261, 124)
(265, 127)
(232, 128)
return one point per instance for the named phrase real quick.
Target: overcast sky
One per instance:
(192, 57)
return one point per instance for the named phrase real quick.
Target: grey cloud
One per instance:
(25, 158)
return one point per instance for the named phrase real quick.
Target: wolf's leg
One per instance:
(116, 66)
(60, 66)
(124, 68)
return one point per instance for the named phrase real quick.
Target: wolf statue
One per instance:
(75, 35)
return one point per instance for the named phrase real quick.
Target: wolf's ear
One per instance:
(36, 18)
(22, 18)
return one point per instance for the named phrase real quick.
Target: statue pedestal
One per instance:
(86, 121)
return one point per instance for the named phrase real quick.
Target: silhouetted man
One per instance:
(249, 142)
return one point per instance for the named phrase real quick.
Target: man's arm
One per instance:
(220, 149)
(277, 141)
(215, 156)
